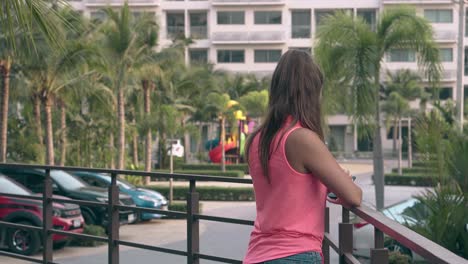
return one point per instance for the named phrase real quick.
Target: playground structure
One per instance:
(233, 142)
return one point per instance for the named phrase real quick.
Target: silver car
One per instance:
(363, 238)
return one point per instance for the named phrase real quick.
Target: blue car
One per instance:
(142, 197)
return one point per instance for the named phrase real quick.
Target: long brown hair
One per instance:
(295, 91)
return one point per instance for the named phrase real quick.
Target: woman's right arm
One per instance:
(307, 150)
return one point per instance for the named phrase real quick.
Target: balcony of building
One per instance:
(379, 254)
(118, 3)
(248, 2)
(417, 2)
(249, 37)
(445, 35)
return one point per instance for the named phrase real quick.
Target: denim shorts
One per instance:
(311, 257)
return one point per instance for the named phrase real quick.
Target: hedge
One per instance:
(409, 179)
(414, 170)
(232, 173)
(209, 193)
(180, 207)
(93, 230)
(210, 166)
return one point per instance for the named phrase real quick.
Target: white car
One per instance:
(177, 148)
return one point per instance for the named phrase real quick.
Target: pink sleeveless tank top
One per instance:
(290, 209)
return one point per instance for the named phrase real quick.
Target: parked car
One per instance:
(69, 186)
(363, 237)
(66, 217)
(142, 197)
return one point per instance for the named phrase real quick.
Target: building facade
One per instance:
(249, 36)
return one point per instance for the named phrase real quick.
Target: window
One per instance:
(230, 56)
(265, 56)
(10, 187)
(198, 25)
(446, 54)
(305, 49)
(198, 55)
(98, 15)
(301, 24)
(439, 15)
(444, 93)
(267, 17)
(231, 18)
(175, 25)
(369, 16)
(466, 62)
(402, 55)
(466, 23)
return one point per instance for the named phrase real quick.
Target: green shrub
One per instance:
(396, 257)
(210, 166)
(93, 230)
(181, 207)
(209, 193)
(415, 170)
(409, 179)
(231, 173)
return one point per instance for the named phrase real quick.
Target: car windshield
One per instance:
(11, 187)
(66, 180)
(125, 184)
(401, 212)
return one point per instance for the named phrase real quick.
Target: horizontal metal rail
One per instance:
(181, 176)
(224, 219)
(153, 248)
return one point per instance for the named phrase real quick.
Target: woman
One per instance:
(292, 169)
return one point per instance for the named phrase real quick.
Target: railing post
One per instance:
(193, 234)
(379, 254)
(345, 236)
(325, 246)
(47, 208)
(114, 221)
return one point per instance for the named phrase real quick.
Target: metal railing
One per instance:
(418, 244)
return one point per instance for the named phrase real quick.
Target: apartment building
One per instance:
(249, 36)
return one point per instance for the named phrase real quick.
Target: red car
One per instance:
(66, 217)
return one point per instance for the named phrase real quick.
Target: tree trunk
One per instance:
(148, 139)
(38, 119)
(63, 136)
(410, 145)
(50, 159)
(377, 147)
(134, 141)
(5, 67)
(399, 147)
(111, 150)
(395, 124)
(186, 140)
(121, 134)
(221, 140)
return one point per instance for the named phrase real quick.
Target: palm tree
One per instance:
(24, 15)
(349, 46)
(403, 87)
(125, 42)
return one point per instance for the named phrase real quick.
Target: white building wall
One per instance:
(445, 33)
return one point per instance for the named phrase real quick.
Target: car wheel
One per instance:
(88, 218)
(61, 244)
(23, 242)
